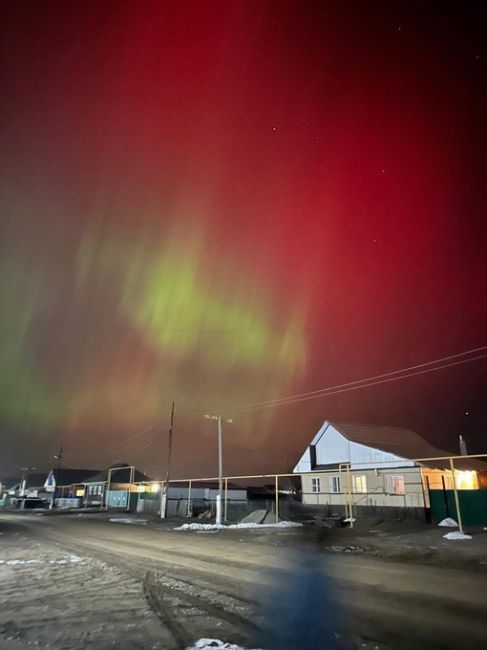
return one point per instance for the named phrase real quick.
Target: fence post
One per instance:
(162, 500)
(445, 496)
(188, 509)
(107, 487)
(349, 485)
(457, 500)
(226, 500)
(277, 497)
(129, 489)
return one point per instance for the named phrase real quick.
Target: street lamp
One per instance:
(219, 497)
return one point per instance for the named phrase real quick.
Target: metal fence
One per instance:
(351, 501)
(283, 499)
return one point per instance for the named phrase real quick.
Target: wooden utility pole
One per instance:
(59, 458)
(164, 493)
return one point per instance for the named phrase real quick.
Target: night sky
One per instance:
(221, 203)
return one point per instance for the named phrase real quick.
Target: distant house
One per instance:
(382, 470)
(115, 487)
(8, 486)
(26, 491)
(65, 486)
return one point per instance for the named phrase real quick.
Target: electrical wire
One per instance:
(383, 378)
(347, 388)
(318, 391)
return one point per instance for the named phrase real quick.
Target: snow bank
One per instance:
(213, 644)
(69, 559)
(456, 534)
(281, 524)
(448, 523)
(127, 520)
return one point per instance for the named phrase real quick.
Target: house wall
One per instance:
(333, 448)
(378, 488)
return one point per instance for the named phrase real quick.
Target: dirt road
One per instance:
(140, 586)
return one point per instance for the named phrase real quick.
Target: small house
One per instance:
(375, 468)
(116, 487)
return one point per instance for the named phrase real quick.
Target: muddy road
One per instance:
(147, 586)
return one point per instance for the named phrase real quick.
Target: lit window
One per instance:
(315, 485)
(335, 484)
(466, 480)
(359, 484)
(397, 485)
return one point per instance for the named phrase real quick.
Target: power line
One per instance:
(116, 450)
(383, 378)
(328, 392)
(124, 443)
(318, 391)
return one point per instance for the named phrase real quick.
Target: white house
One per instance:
(382, 470)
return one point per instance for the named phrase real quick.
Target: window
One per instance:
(335, 484)
(359, 484)
(396, 485)
(315, 485)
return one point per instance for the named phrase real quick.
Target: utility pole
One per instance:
(59, 458)
(164, 494)
(219, 497)
(25, 478)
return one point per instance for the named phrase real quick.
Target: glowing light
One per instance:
(466, 480)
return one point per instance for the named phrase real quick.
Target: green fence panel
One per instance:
(473, 506)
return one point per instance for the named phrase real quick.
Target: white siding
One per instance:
(333, 448)
(304, 464)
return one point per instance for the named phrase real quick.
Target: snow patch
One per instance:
(281, 524)
(456, 534)
(213, 644)
(15, 562)
(448, 523)
(127, 520)
(71, 559)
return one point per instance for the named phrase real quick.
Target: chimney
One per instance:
(463, 446)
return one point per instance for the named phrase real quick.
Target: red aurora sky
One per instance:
(223, 203)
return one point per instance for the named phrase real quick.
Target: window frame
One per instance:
(335, 485)
(315, 483)
(392, 479)
(359, 479)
